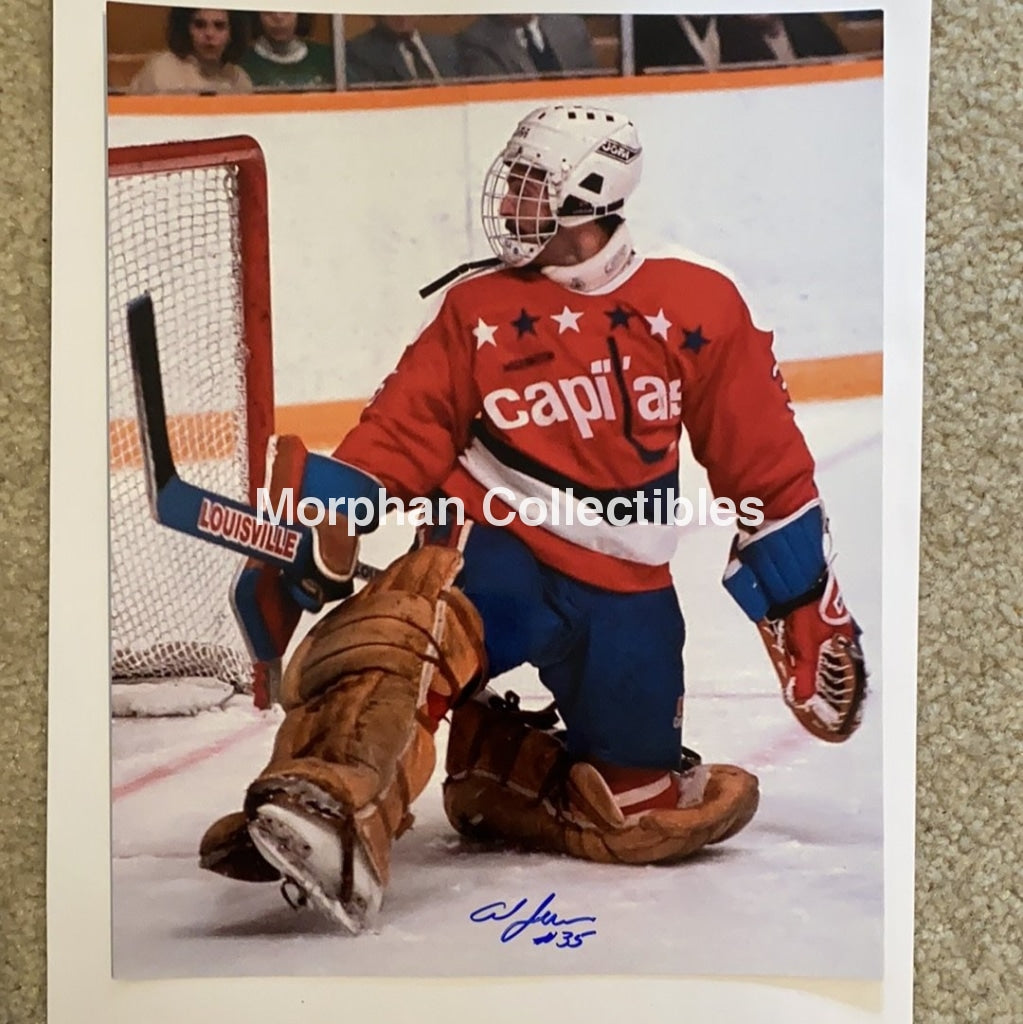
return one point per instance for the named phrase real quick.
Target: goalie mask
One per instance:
(563, 165)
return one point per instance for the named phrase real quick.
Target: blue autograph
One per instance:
(542, 916)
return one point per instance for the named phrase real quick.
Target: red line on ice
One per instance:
(189, 760)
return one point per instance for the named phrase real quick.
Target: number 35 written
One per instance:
(568, 940)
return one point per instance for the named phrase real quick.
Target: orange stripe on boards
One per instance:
(490, 92)
(322, 425)
(194, 437)
(824, 380)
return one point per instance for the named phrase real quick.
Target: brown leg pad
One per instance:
(508, 780)
(356, 747)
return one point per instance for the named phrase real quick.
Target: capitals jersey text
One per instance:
(523, 385)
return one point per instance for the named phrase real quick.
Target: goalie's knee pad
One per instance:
(509, 778)
(362, 694)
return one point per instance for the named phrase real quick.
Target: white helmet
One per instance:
(584, 162)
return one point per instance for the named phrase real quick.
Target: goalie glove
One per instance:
(816, 653)
(781, 580)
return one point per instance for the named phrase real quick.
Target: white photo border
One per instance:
(79, 862)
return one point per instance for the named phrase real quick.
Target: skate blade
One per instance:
(309, 854)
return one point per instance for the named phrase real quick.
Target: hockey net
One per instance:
(187, 222)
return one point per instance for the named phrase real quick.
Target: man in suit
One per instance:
(395, 51)
(668, 41)
(526, 46)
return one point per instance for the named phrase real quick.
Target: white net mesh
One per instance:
(176, 235)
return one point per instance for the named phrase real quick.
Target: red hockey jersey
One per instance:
(521, 388)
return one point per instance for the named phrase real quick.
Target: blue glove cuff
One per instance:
(325, 478)
(741, 582)
(778, 564)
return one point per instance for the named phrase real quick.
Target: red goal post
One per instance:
(187, 222)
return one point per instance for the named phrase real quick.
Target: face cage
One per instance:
(520, 237)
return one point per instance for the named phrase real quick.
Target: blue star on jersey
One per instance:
(619, 317)
(525, 324)
(694, 339)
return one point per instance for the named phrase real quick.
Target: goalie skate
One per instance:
(334, 877)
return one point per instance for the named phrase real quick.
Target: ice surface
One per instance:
(798, 893)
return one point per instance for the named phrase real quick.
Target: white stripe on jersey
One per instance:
(644, 543)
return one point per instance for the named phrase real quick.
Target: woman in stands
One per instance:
(283, 57)
(202, 49)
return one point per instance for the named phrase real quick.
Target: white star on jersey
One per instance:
(659, 324)
(567, 320)
(484, 334)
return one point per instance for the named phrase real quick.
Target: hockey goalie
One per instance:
(565, 372)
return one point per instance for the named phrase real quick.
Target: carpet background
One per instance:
(970, 827)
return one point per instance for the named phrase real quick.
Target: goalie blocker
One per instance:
(289, 568)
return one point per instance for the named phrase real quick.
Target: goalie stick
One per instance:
(188, 508)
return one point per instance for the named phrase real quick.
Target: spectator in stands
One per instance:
(203, 47)
(394, 50)
(282, 56)
(526, 45)
(669, 41)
